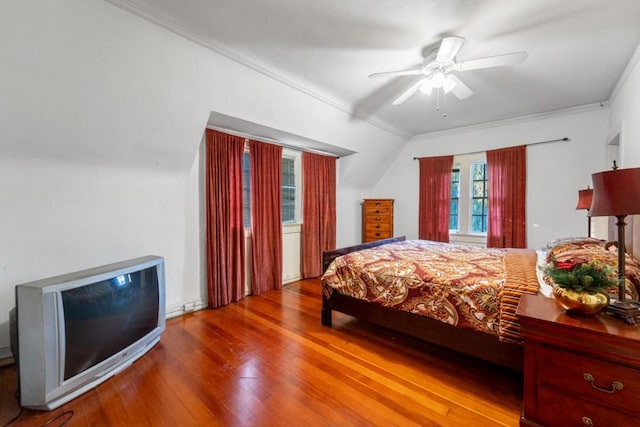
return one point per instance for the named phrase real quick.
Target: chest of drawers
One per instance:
(578, 371)
(377, 219)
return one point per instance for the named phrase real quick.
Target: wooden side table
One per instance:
(578, 371)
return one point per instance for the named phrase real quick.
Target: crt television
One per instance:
(72, 332)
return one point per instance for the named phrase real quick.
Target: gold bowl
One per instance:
(580, 303)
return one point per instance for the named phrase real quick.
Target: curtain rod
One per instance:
(271, 141)
(526, 145)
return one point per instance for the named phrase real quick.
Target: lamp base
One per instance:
(625, 310)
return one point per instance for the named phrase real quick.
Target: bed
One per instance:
(380, 283)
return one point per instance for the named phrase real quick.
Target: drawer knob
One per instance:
(377, 210)
(378, 203)
(587, 421)
(378, 219)
(377, 225)
(616, 385)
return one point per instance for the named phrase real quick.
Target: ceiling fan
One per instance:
(437, 73)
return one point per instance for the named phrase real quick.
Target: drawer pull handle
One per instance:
(377, 234)
(378, 219)
(616, 385)
(587, 421)
(377, 210)
(377, 225)
(378, 203)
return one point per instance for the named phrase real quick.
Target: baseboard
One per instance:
(291, 278)
(175, 310)
(6, 357)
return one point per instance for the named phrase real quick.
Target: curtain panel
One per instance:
(266, 216)
(434, 198)
(224, 228)
(318, 211)
(507, 174)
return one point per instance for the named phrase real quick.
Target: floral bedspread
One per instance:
(469, 287)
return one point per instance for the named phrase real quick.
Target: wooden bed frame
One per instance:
(473, 343)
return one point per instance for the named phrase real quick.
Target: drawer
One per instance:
(376, 235)
(564, 409)
(378, 226)
(605, 382)
(370, 210)
(379, 203)
(378, 218)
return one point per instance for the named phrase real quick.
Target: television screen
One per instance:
(102, 318)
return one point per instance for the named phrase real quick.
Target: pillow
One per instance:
(601, 252)
(546, 288)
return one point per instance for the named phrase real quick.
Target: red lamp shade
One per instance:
(584, 199)
(616, 192)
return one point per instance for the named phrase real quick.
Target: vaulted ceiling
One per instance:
(577, 51)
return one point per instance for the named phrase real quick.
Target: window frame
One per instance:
(296, 156)
(464, 163)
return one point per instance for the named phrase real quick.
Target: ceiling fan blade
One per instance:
(449, 48)
(460, 90)
(492, 61)
(414, 72)
(413, 89)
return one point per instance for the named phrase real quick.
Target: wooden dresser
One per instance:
(377, 219)
(578, 371)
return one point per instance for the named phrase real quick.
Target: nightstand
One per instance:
(578, 371)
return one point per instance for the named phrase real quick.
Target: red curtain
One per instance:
(319, 211)
(266, 216)
(507, 174)
(225, 232)
(435, 198)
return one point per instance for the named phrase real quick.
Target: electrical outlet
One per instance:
(189, 306)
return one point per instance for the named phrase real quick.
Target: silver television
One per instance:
(72, 332)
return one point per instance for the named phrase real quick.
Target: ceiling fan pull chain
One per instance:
(444, 104)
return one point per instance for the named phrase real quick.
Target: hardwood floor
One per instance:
(267, 361)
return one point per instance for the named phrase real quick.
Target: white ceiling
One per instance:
(578, 49)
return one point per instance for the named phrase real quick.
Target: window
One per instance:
(291, 188)
(288, 190)
(246, 191)
(455, 198)
(468, 214)
(479, 197)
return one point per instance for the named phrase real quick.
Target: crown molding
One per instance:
(513, 120)
(224, 50)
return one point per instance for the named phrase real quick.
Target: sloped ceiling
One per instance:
(577, 50)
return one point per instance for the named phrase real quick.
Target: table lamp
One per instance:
(584, 202)
(617, 193)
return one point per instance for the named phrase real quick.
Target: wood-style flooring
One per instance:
(267, 361)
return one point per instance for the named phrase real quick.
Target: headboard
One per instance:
(329, 256)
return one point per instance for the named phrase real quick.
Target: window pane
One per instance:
(246, 191)
(479, 198)
(455, 195)
(288, 190)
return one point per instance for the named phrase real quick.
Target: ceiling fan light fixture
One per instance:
(438, 79)
(426, 87)
(448, 84)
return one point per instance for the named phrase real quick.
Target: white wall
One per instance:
(624, 114)
(555, 171)
(101, 107)
(625, 111)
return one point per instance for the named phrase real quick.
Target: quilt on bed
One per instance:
(469, 287)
